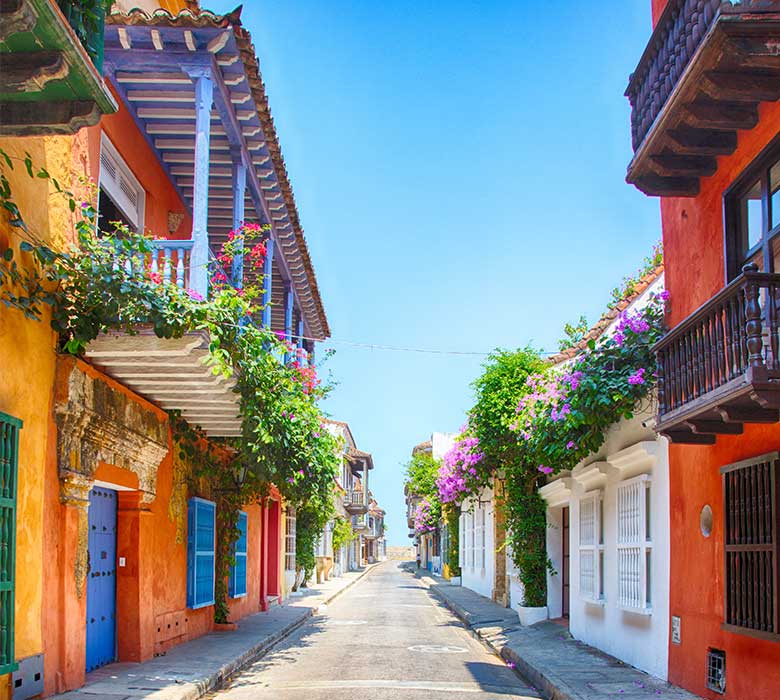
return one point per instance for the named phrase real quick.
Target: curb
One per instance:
(538, 680)
(230, 669)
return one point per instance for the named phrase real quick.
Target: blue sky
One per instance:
(459, 170)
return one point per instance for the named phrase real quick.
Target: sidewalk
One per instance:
(559, 666)
(190, 670)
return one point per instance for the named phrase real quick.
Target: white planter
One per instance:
(455, 581)
(530, 616)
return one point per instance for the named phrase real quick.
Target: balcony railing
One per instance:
(355, 502)
(720, 367)
(705, 69)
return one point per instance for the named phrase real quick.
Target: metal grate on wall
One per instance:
(716, 670)
(9, 457)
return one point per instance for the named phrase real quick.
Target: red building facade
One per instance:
(705, 126)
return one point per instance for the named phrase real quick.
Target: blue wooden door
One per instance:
(101, 579)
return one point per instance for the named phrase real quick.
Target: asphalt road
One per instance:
(386, 638)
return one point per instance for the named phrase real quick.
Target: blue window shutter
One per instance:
(237, 581)
(201, 536)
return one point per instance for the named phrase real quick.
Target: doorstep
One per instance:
(191, 669)
(545, 654)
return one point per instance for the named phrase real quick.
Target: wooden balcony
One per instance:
(706, 68)
(355, 503)
(49, 83)
(720, 367)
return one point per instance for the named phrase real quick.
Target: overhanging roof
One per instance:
(150, 59)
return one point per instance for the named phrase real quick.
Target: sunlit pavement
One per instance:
(387, 637)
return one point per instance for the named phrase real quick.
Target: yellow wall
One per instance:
(27, 370)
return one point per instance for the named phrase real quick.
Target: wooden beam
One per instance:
(742, 414)
(685, 437)
(742, 86)
(713, 114)
(714, 427)
(662, 186)
(670, 164)
(204, 90)
(713, 142)
(30, 71)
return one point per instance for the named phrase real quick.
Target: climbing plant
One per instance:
(342, 533)
(102, 282)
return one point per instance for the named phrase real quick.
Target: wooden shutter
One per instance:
(237, 581)
(461, 540)
(201, 528)
(590, 547)
(633, 544)
(120, 184)
(751, 498)
(9, 464)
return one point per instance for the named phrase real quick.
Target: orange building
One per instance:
(705, 126)
(113, 542)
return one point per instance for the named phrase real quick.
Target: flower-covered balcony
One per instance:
(50, 80)
(720, 367)
(706, 68)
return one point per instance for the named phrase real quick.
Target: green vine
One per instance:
(343, 534)
(103, 282)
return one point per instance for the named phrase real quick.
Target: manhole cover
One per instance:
(348, 622)
(437, 649)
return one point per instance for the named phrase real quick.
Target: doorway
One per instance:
(101, 578)
(565, 562)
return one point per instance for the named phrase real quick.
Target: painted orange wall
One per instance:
(693, 244)
(161, 195)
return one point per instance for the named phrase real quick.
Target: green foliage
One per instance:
(573, 333)
(629, 285)
(342, 533)
(421, 472)
(101, 283)
(498, 390)
(310, 520)
(452, 517)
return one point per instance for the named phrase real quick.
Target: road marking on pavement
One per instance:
(430, 686)
(437, 649)
(347, 622)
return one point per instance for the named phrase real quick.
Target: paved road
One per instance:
(386, 638)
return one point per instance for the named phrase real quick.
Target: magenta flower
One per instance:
(637, 377)
(570, 445)
(195, 296)
(545, 470)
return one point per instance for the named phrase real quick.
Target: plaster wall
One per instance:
(636, 638)
(695, 271)
(480, 579)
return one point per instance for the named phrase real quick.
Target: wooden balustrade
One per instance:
(171, 260)
(731, 341)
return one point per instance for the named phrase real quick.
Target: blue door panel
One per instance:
(101, 578)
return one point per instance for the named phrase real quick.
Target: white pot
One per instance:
(530, 616)
(455, 581)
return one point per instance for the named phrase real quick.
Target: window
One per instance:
(470, 539)
(751, 494)
(462, 540)
(121, 197)
(9, 460)
(237, 580)
(479, 538)
(753, 217)
(289, 540)
(591, 549)
(634, 546)
(201, 524)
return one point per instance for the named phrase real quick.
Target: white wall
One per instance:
(640, 639)
(476, 577)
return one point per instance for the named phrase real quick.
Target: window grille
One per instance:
(9, 459)
(289, 539)
(201, 527)
(591, 549)
(716, 670)
(634, 547)
(118, 182)
(751, 494)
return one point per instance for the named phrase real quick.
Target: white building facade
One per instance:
(476, 544)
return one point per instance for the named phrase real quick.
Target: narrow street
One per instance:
(386, 638)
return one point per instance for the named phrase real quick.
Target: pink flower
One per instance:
(570, 445)
(195, 296)
(637, 377)
(545, 470)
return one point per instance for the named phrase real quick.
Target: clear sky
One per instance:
(459, 171)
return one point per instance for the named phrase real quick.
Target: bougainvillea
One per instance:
(460, 474)
(427, 516)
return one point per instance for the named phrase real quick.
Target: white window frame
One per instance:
(591, 546)
(479, 538)
(289, 539)
(634, 544)
(470, 540)
(122, 186)
(462, 541)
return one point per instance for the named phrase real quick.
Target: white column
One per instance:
(204, 92)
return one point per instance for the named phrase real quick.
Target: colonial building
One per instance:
(105, 518)
(705, 123)
(608, 529)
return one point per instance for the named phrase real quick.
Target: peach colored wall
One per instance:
(161, 195)
(693, 243)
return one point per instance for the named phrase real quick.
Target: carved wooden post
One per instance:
(753, 319)
(288, 316)
(239, 192)
(268, 277)
(661, 365)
